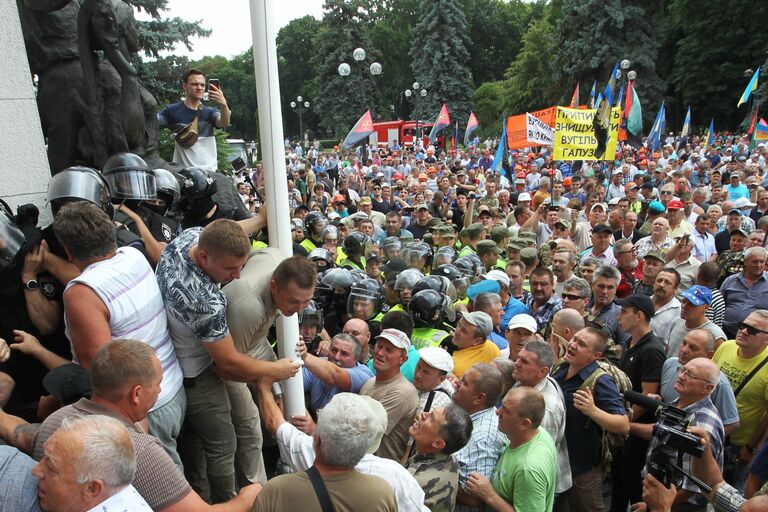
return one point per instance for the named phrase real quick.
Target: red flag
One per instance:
(362, 129)
(472, 125)
(752, 124)
(442, 122)
(575, 97)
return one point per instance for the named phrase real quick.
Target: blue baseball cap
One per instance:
(698, 295)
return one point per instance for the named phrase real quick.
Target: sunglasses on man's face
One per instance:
(570, 296)
(751, 330)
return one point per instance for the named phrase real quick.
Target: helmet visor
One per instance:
(132, 184)
(11, 241)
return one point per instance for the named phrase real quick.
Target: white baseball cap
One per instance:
(396, 337)
(437, 357)
(497, 275)
(527, 322)
(524, 196)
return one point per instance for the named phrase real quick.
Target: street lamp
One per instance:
(417, 93)
(300, 106)
(374, 69)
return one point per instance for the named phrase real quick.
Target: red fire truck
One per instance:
(403, 132)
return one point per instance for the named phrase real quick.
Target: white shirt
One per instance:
(664, 319)
(127, 498)
(297, 450)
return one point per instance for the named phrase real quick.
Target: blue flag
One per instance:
(498, 159)
(610, 87)
(592, 95)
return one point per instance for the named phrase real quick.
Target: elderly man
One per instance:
(657, 241)
(745, 292)
(743, 361)
(436, 435)
(603, 307)
(601, 246)
(430, 379)
(346, 429)
(588, 413)
(116, 295)
(398, 396)
(532, 369)
(89, 464)
(685, 264)
(678, 226)
(565, 324)
(340, 372)
(693, 309)
(563, 263)
(694, 386)
(490, 303)
(628, 266)
(700, 343)
(524, 478)
(477, 393)
(471, 341)
(125, 376)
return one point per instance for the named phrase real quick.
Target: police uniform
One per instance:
(427, 337)
(163, 229)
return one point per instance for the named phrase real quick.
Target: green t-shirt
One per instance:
(525, 476)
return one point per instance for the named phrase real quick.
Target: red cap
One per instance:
(397, 176)
(521, 175)
(567, 181)
(423, 176)
(339, 197)
(675, 204)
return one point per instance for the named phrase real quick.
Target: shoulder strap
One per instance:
(591, 381)
(431, 397)
(749, 377)
(320, 490)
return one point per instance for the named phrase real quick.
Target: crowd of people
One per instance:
(471, 332)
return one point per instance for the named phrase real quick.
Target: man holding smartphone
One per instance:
(202, 154)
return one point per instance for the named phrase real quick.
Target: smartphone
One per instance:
(214, 82)
(238, 164)
(553, 208)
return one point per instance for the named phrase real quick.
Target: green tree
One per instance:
(441, 61)
(489, 99)
(716, 44)
(338, 100)
(296, 44)
(496, 31)
(593, 35)
(530, 83)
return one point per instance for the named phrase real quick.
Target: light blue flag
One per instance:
(498, 159)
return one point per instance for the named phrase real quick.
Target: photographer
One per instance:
(694, 385)
(723, 496)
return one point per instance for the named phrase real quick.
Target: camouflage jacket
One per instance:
(730, 262)
(438, 475)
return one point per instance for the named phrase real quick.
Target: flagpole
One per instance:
(276, 182)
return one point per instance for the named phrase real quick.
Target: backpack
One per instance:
(611, 442)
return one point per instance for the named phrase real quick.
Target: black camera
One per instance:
(673, 440)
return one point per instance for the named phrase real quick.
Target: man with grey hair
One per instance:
(471, 341)
(490, 303)
(339, 372)
(563, 263)
(89, 463)
(532, 369)
(605, 282)
(746, 291)
(297, 450)
(346, 430)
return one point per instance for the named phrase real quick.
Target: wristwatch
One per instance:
(32, 284)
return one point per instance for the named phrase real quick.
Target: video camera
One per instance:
(673, 439)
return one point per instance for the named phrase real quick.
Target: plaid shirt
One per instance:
(701, 414)
(483, 450)
(544, 314)
(646, 245)
(747, 225)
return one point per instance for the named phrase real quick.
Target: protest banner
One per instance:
(538, 132)
(575, 136)
(517, 127)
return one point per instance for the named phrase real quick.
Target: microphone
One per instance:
(649, 404)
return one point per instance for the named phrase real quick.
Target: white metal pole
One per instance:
(276, 182)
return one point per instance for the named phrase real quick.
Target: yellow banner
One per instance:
(575, 137)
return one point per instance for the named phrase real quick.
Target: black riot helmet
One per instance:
(365, 299)
(355, 244)
(314, 223)
(340, 280)
(322, 259)
(311, 320)
(79, 183)
(129, 178)
(429, 308)
(438, 283)
(458, 279)
(196, 184)
(12, 239)
(167, 184)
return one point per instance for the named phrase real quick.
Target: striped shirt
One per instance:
(716, 310)
(127, 286)
(483, 450)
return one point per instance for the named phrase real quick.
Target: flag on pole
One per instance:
(654, 136)
(751, 87)
(610, 87)
(575, 97)
(752, 123)
(761, 131)
(362, 129)
(472, 125)
(455, 145)
(634, 119)
(498, 159)
(598, 100)
(443, 121)
(686, 124)
(592, 95)
(621, 96)
(710, 138)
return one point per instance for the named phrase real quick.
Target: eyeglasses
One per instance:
(571, 296)
(632, 250)
(685, 371)
(752, 331)
(341, 203)
(666, 193)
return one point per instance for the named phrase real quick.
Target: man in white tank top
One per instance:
(116, 296)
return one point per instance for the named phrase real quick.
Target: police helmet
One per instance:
(129, 177)
(321, 258)
(79, 183)
(365, 299)
(429, 308)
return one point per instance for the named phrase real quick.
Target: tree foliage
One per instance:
(489, 100)
(441, 61)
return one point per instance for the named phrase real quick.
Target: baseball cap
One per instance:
(437, 357)
(497, 275)
(614, 201)
(396, 337)
(639, 301)
(527, 322)
(365, 200)
(598, 205)
(421, 206)
(563, 222)
(524, 196)
(483, 208)
(567, 181)
(480, 320)
(486, 286)
(698, 295)
(657, 255)
(743, 202)
(601, 228)
(736, 211)
(68, 383)
(675, 204)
